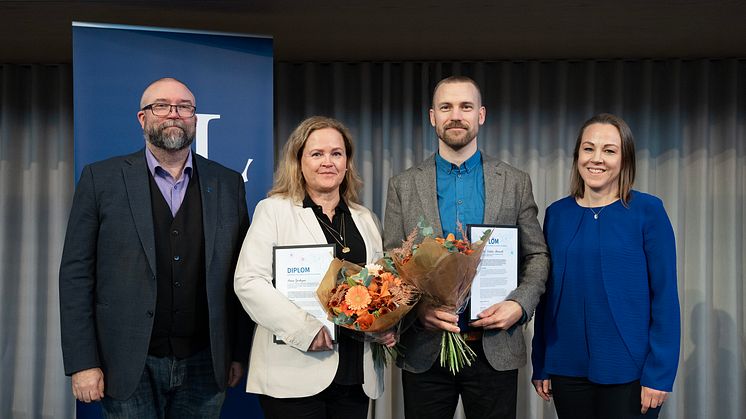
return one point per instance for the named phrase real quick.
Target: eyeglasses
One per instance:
(163, 109)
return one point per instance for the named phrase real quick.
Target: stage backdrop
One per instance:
(231, 78)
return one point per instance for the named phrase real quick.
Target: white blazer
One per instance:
(288, 370)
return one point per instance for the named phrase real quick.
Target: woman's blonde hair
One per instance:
(627, 170)
(289, 179)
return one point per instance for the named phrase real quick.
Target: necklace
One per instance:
(596, 214)
(336, 233)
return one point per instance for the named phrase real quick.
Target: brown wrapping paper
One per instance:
(443, 278)
(324, 293)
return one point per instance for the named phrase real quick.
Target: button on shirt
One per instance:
(460, 199)
(173, 190)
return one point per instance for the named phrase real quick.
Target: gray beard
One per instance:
(173, 142)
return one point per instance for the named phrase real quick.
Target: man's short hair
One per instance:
(456, 79)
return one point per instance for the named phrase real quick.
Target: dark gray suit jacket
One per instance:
(107, 274)
(509, 200)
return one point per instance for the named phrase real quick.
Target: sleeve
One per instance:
(664, 337)
(538, 344)
(253, 284)
(244, 326)
(77, 279)
(393, 224)
(393, 236)
(534, 254)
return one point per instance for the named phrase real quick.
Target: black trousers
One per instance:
(578, 398)
(335, 402)
(485, 392)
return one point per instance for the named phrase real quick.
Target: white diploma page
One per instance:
(298, 270)
(497, 274)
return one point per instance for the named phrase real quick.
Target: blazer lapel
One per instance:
(208, 183)
(571, 220)
(135, 173)
(368, 230)
(308, 218)
(494, 188)
(426, 183)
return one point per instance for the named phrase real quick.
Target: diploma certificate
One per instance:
(497, 274)
(298, 270)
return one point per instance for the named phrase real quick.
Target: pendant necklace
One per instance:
(596, 214)
(336, 233)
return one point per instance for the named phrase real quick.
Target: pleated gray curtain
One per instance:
(36, 186)
(688, 117)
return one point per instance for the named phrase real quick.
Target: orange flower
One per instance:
(385, 289)
(357, 297)
(346, 310)
(387, 276)
(365, 321)
(373, 287)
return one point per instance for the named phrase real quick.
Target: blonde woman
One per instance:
(314, 200)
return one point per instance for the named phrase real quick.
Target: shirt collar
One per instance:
(341, 207)
(443, 165)
(156, 168)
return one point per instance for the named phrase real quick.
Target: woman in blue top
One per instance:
(607, 331)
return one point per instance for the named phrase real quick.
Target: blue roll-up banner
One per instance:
(231, 78)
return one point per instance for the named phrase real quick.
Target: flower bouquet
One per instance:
(442, 269)
(367, 299)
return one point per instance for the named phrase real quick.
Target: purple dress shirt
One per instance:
(173, 190)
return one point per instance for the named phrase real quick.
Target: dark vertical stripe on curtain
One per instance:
(36, 153)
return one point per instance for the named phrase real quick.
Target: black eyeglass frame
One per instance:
(179, 109)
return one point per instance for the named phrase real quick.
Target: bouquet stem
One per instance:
(454, 352)
(382, 354)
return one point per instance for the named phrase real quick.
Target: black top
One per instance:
(180, 326)
(350, 370)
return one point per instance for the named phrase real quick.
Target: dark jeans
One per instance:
(335, 402)
(171, 388)
(578, 398)
(485, 392)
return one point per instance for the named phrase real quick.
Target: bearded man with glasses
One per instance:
(150, 323)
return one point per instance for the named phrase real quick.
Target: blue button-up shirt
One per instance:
(460, 193)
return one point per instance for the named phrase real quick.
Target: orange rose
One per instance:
(365, 321)
(346, 309)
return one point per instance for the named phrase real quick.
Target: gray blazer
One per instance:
(107, 274)
(509, 200)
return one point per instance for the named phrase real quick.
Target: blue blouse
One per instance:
(584, 341)
(635, 268)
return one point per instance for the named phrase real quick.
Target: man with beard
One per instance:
(459, 184)
(150, 323)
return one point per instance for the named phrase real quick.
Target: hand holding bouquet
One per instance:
(368, 299)
(442, 269)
